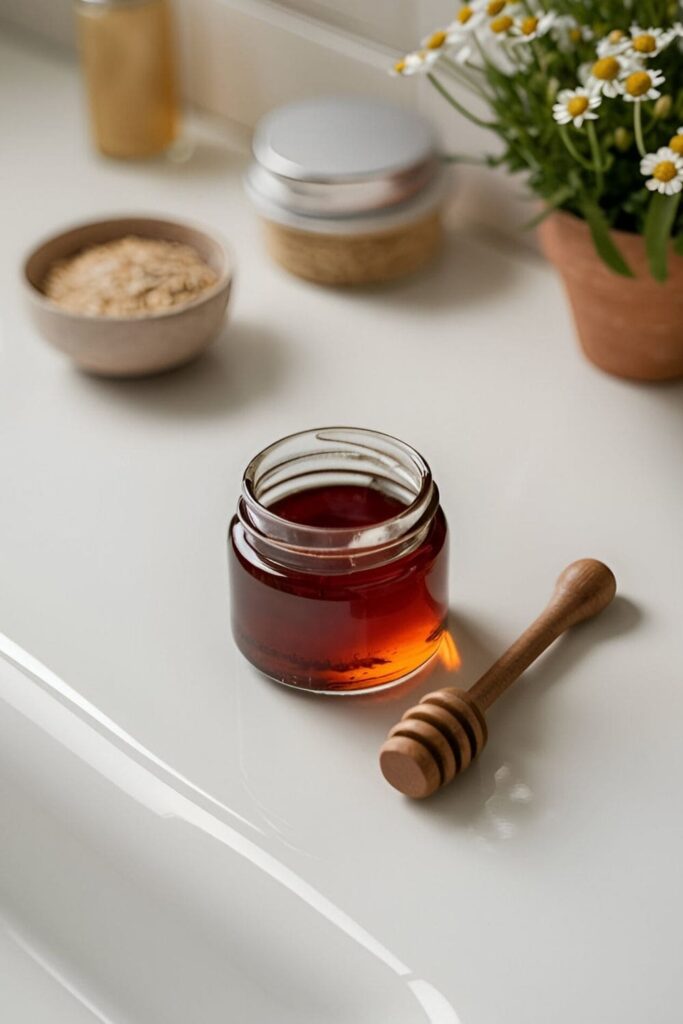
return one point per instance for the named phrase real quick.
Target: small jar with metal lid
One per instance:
(127, 56)
(349, 189)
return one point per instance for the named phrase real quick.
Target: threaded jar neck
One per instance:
(334, 456)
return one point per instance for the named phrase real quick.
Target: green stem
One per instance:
(638, 128)
(564, 135)
(508, 50)
(463, 158)
(471, 66)
(486, 61)
(538, 55)
(596, 154)
(461, 75)
(458, 106)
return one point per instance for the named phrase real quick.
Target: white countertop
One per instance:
(545, 885)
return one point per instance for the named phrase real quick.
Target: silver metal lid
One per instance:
(340, 157)
(334, 138)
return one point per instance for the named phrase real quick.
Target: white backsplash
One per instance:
(50, 18)
(240, 58)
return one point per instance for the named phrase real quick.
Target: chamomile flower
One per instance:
(494, 8)
(468, 18)
(568, 33)
(432, 49)
(532, 26)
(576, 105)
(676, 142)
(460, 33)
(647, 42)
(466, 14)
(642, 85)
(435, 42)
(614, 43)
(666, 170)
(500, 14)
(606, 77)
(411, 64)
(501, 25)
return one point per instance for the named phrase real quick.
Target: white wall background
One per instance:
(239, 58)
(50, 18)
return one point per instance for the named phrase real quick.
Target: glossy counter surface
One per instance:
(543, 886)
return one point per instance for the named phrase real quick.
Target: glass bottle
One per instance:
(127, 56)
(338, 561)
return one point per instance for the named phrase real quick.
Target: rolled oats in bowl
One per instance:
(129, 296)
(130, 276)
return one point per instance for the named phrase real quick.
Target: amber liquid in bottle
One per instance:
(349, 631)
(127, 56)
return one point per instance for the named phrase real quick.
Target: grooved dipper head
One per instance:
(433, 742)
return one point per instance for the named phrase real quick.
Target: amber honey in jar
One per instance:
(338, 561)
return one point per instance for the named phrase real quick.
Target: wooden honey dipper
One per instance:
(439, 737)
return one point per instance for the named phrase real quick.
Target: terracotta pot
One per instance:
(630, 327)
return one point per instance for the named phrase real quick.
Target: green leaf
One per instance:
(659, 219)
(678, 244)
(562, 194)
(602, 239)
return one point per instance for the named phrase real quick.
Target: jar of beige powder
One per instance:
(349, 188)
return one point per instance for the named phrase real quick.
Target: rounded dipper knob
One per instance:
(439, 737)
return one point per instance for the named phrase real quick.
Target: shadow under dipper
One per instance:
(491, 797)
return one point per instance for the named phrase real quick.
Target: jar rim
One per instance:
(378, 455)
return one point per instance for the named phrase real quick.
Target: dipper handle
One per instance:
(581, 591)
(439, 737)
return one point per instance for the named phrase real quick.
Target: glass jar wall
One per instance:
(127, 55)
(338, 561)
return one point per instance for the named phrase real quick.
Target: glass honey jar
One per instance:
(127, 56)
(338, 560)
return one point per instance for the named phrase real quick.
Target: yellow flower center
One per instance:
(495, 7)
(399, 67)
(575, 35)
(645, 43)
(500, 25)
(606, 69)
(577, 105)
(638, 83)
(464, 15)
(665, 170)
(529, 25)
(676, 143)
(615, 35)
(436, 41)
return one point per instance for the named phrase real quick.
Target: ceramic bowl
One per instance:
(129, 346)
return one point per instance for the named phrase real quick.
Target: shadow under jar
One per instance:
(338, 561)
